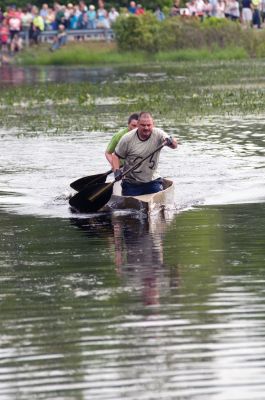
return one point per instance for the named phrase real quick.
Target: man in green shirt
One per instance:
(132, 124)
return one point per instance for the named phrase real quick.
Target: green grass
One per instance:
(107, 54)
(231, 53)
(96, 53)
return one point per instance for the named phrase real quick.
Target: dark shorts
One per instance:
(256, 20)
(131, 189)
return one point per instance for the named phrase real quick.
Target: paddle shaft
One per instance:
(109, 185)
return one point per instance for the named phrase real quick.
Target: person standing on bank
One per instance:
(132, 124)
(133, 147)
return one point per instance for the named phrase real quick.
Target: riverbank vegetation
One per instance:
(178, 33)
(143, 40)
(99, 54)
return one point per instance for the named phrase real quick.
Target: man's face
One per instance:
(145, 126)
(133, 124)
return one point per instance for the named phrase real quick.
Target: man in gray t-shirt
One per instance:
(135, 146)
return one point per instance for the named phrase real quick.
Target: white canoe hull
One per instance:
(146, 203)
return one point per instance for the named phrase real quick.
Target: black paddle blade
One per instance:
(80, 183)
(92, 198)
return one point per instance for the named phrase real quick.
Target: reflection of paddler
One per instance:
(138, 250)
(143, 245)
(139, 254)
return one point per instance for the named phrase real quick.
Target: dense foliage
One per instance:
(147, 34)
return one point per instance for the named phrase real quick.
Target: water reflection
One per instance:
(136, 245)
(13, 75)
(96, 309)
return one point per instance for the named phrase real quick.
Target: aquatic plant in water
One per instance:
(178, 91)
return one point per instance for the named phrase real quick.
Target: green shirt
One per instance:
(115, 140)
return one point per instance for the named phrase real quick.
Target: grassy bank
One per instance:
(101, 53)
(143, 39)
(76, 53)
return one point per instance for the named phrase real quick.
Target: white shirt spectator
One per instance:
(234, 9)
(220, 12)
(192, 7)
(207, 8)
(200, 6)
(113, 15)
(14, 23)
(262, 6)
(102, 18)
(26, 19)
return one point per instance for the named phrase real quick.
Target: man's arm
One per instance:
(171, 142)
(119, 154)
(115, 162)
(109, 158)
(112, 145)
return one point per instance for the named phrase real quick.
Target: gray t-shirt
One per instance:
(132, 149)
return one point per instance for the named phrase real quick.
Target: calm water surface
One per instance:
(112, 306)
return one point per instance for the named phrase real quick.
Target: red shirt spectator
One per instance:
(4, 33)
(14, 22)
(139, 10)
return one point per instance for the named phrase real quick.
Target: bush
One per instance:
(146, 33)
(137, 32)
(174, 34)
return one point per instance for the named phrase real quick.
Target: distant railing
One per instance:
(78, 34)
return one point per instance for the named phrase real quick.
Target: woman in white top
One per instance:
(234, 10)
(220, 9)
(102, 16)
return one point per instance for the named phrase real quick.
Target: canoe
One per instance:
(146, 203)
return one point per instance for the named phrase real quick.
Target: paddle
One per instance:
(94, 197)
(80, 183)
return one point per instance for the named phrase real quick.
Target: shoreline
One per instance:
(98, 54)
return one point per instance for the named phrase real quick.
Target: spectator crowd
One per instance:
(33, 20)
(248, 12)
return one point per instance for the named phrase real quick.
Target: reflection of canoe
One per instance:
(147, 202)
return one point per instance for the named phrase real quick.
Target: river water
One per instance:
(113, 306)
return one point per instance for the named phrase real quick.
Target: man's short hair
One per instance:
(145, 114)
(133, 116)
